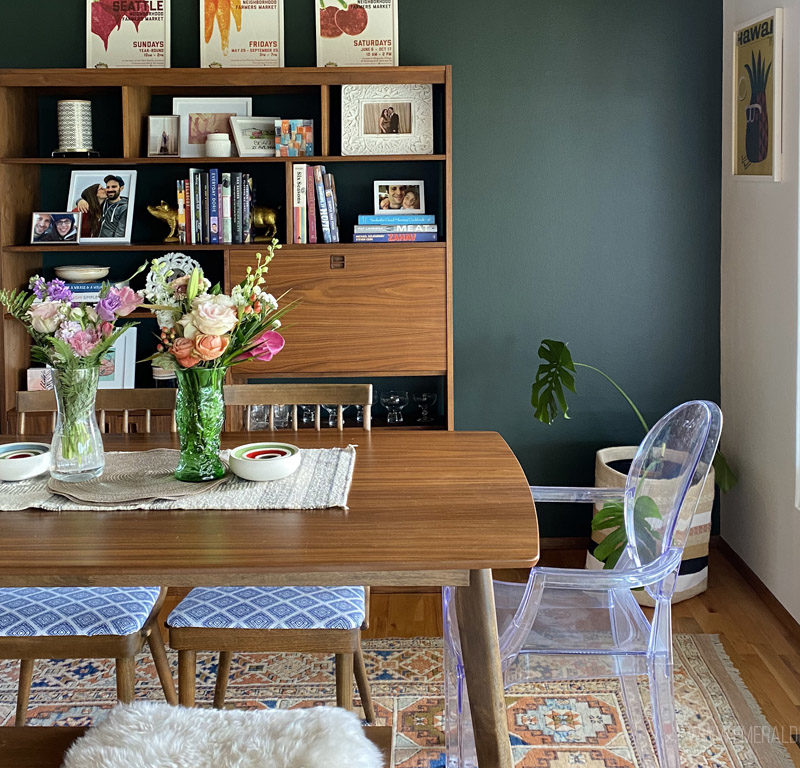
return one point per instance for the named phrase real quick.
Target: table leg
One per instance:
(477, 625)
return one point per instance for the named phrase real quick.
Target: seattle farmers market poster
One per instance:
(362, 34)
(127, 33)
(757, 97)
(241, 33)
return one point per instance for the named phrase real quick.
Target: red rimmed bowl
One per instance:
(21, 461)
(264, 461)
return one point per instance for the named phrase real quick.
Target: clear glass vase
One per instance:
(199, 415)
(76, 452)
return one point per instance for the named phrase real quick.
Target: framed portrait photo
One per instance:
(118, 366)
(387, 119)
(162, 136)
(399, 197)
(58, 227)
(105, 198)
(254, 136)
(200, 116)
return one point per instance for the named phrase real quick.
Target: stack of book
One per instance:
(394, 228)
(215, 207)
(314, 208)
(85, 293)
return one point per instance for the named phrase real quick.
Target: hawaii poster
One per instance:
(241, 33)
(127, 33)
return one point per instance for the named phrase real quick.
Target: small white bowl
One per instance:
(20, 461)
(78, 273)
(264, 461)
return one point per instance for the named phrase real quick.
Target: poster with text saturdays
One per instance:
(127, 33)
(362, 34)
(241, 33)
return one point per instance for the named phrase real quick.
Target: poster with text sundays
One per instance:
(127, 33)
(241, 33)
(362, 34)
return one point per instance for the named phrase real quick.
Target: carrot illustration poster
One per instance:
(356, 34)
(757, 97)
(127, 33)
(241, 33)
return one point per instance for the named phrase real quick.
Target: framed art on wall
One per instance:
(201, 116)
(241, 33)
(757, 92)
(105, 198)
(127, 33)
(118, 366)
(362, 34)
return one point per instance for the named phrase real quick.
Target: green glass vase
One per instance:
(199, 416)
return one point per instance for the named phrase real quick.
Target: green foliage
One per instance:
(612, 518)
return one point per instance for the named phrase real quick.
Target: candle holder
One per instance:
(75, 129)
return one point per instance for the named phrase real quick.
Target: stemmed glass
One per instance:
(307, 414)
(332, 411)
(425, 401)
(394, 402)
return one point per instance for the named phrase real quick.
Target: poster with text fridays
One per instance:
(127, 33)
(241, 33)
(362, 34)
(757, 102)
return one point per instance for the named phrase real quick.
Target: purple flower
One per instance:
(107, 308)
(57, 291)
(39, 287)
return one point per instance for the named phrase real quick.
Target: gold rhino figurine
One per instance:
(267, 218)
(169, 215)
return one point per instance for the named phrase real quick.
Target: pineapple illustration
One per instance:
(756, 138)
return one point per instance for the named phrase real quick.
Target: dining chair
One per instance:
(83, 623)
(571, 624)
(306, 619)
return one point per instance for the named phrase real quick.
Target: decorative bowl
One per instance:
(20, 461)
(264, 461)
(78, 273)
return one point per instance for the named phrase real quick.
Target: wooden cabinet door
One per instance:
(378, 311)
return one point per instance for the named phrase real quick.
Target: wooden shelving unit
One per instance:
(366, 310)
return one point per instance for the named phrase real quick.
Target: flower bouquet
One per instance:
(73, 338)
(203, 333)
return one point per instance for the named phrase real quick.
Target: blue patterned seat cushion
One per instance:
(271, 608)
(85, 611)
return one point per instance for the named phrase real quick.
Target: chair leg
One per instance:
(187, 661)
(362, 682)
(159, 654)
(223, 671)
(665, 726)
(23, 689)
(636, 719)
(126, 673)
(344, 680)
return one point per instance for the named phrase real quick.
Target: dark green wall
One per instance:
(586, 198)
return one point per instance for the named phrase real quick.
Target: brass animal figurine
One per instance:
(169, 215)
(268, 218)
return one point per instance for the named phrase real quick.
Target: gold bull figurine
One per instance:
(267, 219)
(169, 215)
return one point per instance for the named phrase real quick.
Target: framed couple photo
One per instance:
(105, 201)
(399, 197)
(58, 227)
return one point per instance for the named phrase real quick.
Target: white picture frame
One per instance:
(200, 116)
(387, 119)
(118, 367)
(257, 41)
(94, 188)
(409, 196)
(55, 232)
(362, 34)
(163, 136)
(114, 39)
(254, 136)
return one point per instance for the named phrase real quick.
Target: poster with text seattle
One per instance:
(127, 33)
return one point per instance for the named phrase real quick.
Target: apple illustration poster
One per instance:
(241, 33)
(127, 33)
(356, 34)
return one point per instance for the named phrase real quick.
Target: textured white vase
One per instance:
(74, 126)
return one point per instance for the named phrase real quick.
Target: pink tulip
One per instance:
(128, 298)
(267, 346)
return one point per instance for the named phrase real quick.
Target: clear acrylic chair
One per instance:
(570, 624)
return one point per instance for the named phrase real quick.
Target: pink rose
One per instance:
(45, 317)
(128, 300)
(267, 346)
(210, 347)
(213, 315)
(83, 342)
(183, 350)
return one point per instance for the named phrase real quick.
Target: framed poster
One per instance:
(202, 115)
(362, 34)
(757, 83)
(118, 366)
(106, 200)
(127, 33)
(241, 33)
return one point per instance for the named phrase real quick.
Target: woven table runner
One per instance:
(322, 480)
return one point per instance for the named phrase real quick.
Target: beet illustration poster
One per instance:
(356, 34)
(241, 33)
(127, 33)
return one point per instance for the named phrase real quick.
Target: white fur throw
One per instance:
(156, 735)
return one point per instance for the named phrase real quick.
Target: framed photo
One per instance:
(243, 34)
(387, 119)
(39, 379)
(106, 200)
(127, 34)
(394, 197)
(757, 96)
(59, 227)
(362, 34)
(200, 116)
(118, 366)
(254, 136)
(162, 136)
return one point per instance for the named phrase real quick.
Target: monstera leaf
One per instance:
(612, 518)
(552, 377)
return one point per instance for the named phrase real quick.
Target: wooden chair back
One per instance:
(315, 395)
(126, 401)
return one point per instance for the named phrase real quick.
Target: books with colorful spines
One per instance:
(95, 285)
(181, 212)
(395, 237)
(85, 293)
(299, 202)
(336, 227)
(396, 218)
(213, 206)
(206, 203)
(319, 171)
(225, 207)
(327, 181)
(311, 205)
(197, 205)
(247, 203)
(366, 229)
(236, 206)
(187, 207)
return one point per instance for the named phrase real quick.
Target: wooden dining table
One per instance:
(426, 508)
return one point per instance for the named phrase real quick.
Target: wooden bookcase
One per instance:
(367, 311)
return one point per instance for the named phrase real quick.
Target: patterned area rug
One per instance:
(553, 726)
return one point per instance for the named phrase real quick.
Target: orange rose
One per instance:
(183, 350)
(208, 347)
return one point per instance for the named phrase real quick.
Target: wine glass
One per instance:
(394, 401)
(259, 417)
(332, 411)
(307, 412)
(425, 401)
